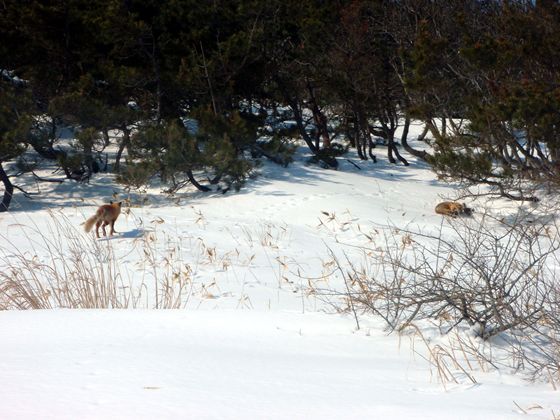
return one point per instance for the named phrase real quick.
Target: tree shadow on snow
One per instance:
(102, 188)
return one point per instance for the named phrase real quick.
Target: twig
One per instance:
(26, 193)
(40, 178)
(356, 165)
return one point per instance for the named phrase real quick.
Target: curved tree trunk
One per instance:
(371, 146)
(106, 138)
(362, 136)
(320, 120)
(393, 147)
(293, 103)
(434, 131)
(196, 183)
(301, 128)
(359, 145)
(8, 190)
(421, 154)
(423, 134)
(389, 131)
(48, 152)
(124, 143)
(390, 147)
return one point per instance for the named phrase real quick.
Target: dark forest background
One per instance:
(200, 90)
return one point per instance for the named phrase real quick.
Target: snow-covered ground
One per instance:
(249, 341)
(230, 364)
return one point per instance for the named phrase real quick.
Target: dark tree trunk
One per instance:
(301, 127)
(434, 130)
(421, 154)
(216, 179)
(8, 190)
(48, 152)
(359, 143)
(393, 148)
(106, 139)
(422, 135)
(88, 162)
(320, 120)
(293, 103)
(390, 148)
(124, 144)
(370, 150)
(361, 135)
(349, 130)
(196, 183)
(298, 116)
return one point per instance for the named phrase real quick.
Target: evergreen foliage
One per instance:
(482, 76)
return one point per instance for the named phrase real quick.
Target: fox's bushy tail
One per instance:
(90, 222)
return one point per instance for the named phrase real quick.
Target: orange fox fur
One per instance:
(106, 214)
(453, 208)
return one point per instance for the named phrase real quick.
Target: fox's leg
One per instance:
(103, 227)
(113, 231)
(97, 228)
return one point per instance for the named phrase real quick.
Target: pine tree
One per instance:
(14, 129)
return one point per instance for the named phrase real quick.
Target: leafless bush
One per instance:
(493, 277)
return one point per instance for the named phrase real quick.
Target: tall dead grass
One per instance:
(61, 267)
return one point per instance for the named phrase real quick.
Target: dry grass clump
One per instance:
(65, 268)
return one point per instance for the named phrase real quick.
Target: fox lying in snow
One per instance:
(105, 215)
(453, 208)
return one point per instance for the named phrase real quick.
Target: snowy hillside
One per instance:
(251, 338)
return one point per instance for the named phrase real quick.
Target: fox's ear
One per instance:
(111, 202)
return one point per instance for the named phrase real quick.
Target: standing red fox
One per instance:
(453, 208)
(105, 215)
